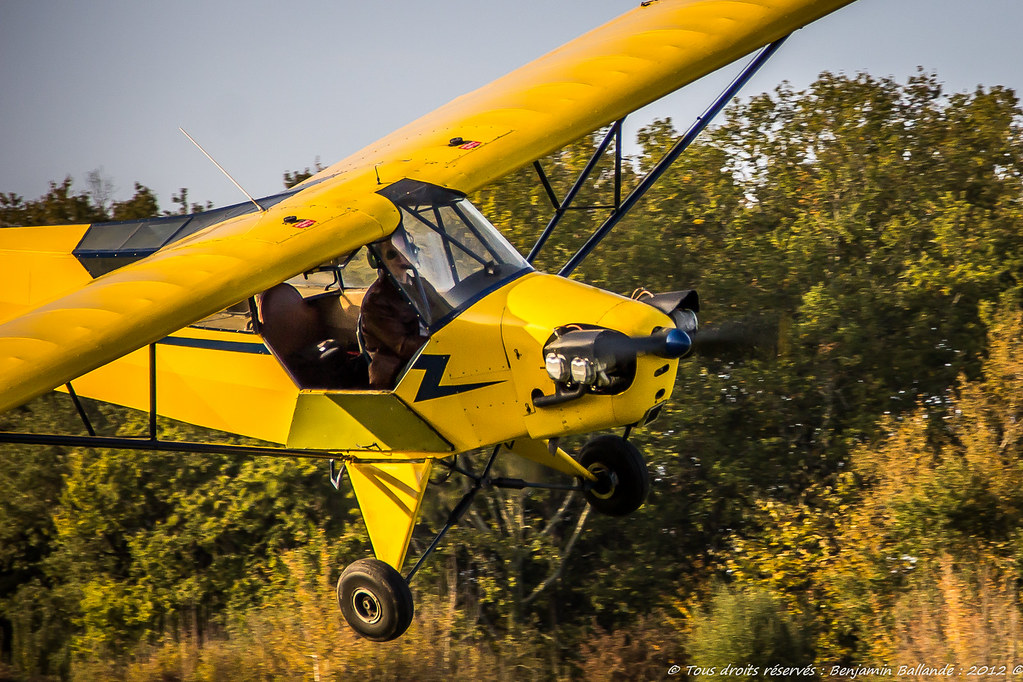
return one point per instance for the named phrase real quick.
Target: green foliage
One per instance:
(929, 513)
(59, 206)
(63, 206)
(184, 206)
(160, 543)
(292, 178)
(747, 630)
(142, 205)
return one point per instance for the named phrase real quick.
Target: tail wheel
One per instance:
(622, 480)
(375, 600)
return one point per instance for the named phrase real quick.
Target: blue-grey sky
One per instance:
(269, 87)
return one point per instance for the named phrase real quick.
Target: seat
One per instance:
(288, 323)
(302, 341)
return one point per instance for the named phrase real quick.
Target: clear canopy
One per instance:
(454, 255)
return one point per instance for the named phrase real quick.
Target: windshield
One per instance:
(455, 255)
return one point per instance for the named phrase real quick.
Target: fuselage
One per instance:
(476, 382)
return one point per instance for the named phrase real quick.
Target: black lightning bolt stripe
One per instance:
(433, 367)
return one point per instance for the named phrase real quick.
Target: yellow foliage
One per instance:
(911, 556)
(967, 617)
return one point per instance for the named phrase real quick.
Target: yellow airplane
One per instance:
(251, 319)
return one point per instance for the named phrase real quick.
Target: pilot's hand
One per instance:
(328, 349)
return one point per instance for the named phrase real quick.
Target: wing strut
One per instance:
(80, 408)
(658, 170)
(615, 133)
(153, 432)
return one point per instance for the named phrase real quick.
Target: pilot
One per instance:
(391, 329)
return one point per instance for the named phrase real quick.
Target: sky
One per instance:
(268, 87)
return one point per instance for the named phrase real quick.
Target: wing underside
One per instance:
(145, 301)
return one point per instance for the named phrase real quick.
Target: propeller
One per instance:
(736, 339)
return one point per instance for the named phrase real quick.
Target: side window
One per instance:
(237, 318)
(357, 273)
(351, 271)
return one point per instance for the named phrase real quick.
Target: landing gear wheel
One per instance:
(622, 479)
(375, 600)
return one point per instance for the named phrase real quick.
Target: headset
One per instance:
(373, 257)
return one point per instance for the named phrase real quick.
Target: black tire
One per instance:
(375, 600)
(623, 482)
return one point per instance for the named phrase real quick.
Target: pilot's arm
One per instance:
(391, 332)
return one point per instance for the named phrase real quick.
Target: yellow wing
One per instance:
(143, 302)
(464, 145)
(584, 85)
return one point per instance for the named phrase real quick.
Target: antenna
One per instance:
(207, 154)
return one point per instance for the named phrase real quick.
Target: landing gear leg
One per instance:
(456, 514)
(374, 598)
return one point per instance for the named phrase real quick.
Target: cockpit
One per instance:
(453, 257)
(456, 256)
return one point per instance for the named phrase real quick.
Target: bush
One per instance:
(749, 629)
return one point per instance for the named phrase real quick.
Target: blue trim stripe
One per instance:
(210, 344)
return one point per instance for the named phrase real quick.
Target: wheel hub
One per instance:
(366, 606)
(604, 487)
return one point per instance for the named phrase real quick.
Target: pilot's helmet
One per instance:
(396, 249)
(404, 242)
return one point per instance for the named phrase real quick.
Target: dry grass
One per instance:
(300, 635)
(966, 616)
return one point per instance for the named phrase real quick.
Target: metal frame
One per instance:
(158, 445)
(560, 207)
(152, 442)
(481, 481)
(621, 207)
(80, 408)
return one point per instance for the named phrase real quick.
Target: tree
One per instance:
(59, 206)
(184, 207)
(143, 204)
(63, 206)
(292, 178)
